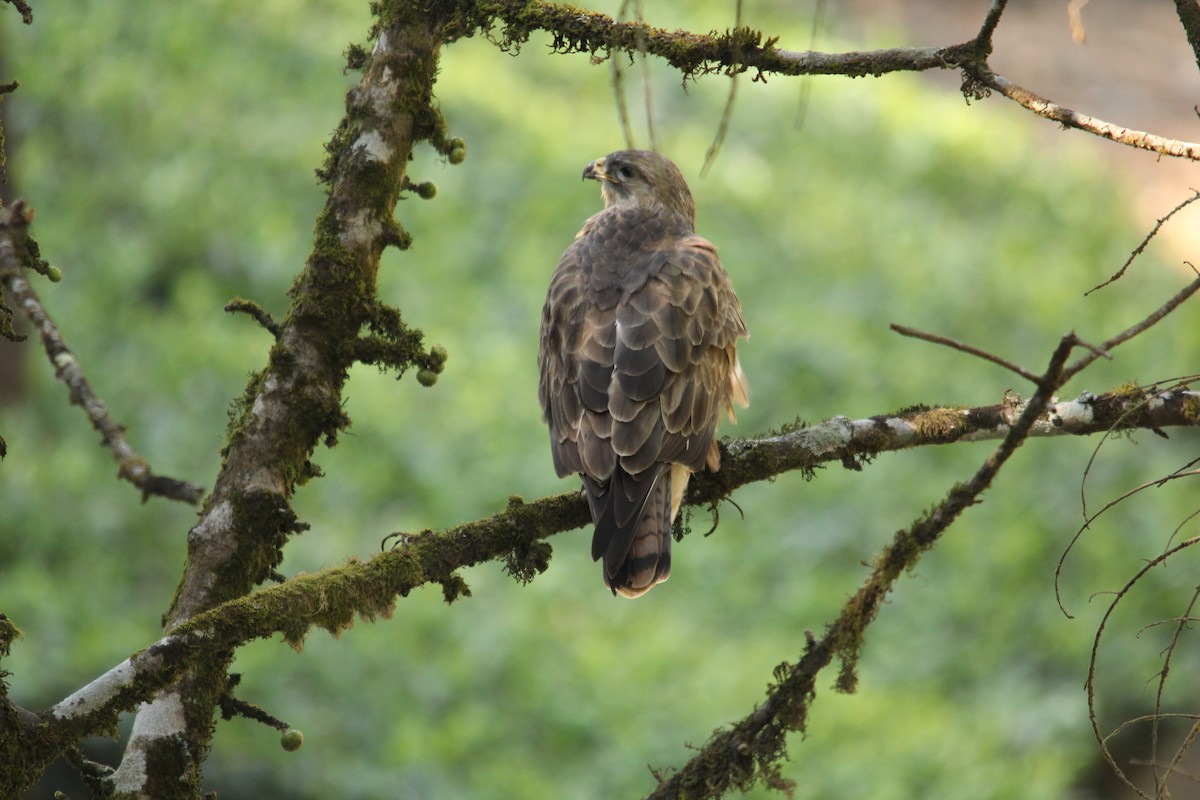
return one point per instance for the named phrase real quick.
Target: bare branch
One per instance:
(1137, 251)
(1073, 119)
(1181, 624)
(1090, 683)
(727, 114)
(1189, 16)
(904, 330)
(1127, 334)
(130, 466)
(1089, 518)
(806, 82)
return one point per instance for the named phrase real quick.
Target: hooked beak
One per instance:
(595, 171)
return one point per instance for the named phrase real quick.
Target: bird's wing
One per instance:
(675, 362)
(575, 356)
(637, 358)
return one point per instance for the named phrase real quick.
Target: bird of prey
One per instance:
(637, 360)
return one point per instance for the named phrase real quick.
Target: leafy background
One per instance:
(169, 150)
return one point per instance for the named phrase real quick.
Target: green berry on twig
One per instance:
(291, 740)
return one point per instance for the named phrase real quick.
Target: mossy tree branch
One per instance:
(294, 404)
(741, 49)
(331, 599)
(509, 23)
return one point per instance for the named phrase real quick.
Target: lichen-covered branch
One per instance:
(849, 441)
(294, 403)
(14, 220)
(983, 76)
(742, 49)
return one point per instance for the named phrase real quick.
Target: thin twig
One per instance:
(1088, 518)
(1127, 334)
(1180, 626)
(648, 97)
(1087, 524)
(727, 112)
(257, 312)
(130, 466)
(806, 80)
(618, 83)
(1137, 251)
(904, 330)
(1090, 683)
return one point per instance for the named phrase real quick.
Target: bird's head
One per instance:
(642, 178)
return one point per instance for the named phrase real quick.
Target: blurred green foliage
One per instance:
(169, 152)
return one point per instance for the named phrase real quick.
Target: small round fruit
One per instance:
(291, 740)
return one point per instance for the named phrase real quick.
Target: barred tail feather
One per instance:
(633, 516)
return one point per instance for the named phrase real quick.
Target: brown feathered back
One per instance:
(637, 359)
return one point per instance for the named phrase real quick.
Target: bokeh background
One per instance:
(169, 149)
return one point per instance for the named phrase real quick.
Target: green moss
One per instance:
(9, 633)
(938, 424)
(1191, 408)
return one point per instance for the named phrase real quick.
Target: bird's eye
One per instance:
(624, 172)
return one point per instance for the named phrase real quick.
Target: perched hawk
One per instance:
(637, 359)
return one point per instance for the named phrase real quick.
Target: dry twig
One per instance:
(130, 466)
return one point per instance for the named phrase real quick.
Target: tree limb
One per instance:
(749, 752)
(332, 598)
(742, 49)
(14, 220)
(981, 73)
(737, 50)
(295, 402)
